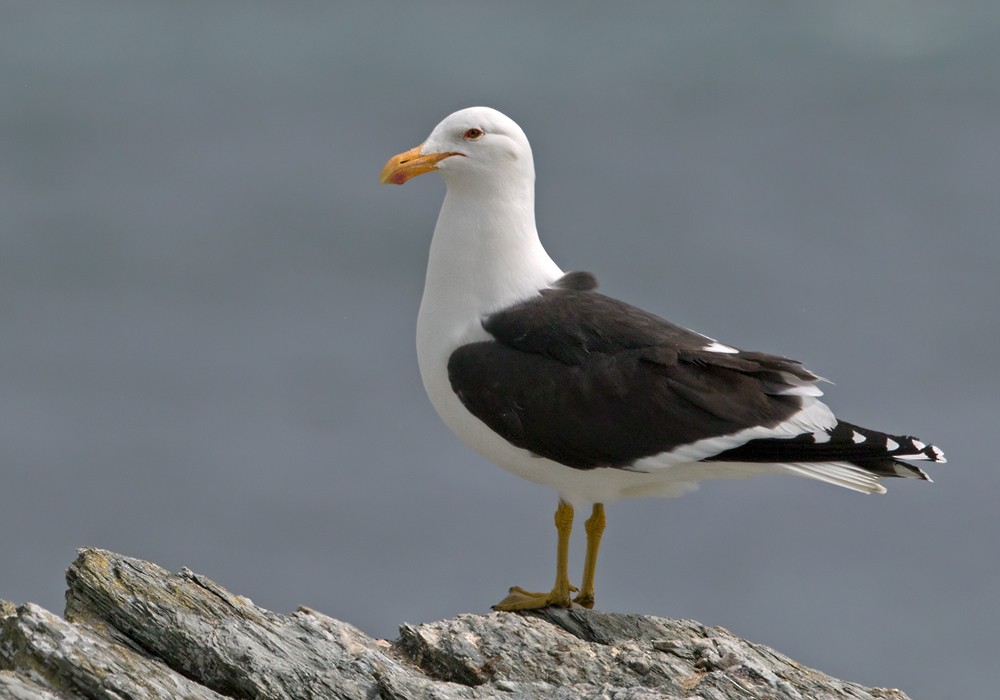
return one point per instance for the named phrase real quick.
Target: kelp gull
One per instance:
(598, 399)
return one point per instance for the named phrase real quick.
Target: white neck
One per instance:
(485, 255)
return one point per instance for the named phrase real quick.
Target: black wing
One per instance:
(589, 381)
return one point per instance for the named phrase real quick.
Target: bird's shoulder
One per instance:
(571, 322)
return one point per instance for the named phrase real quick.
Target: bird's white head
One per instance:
(477, 146)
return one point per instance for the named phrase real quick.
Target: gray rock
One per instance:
(134, 630)
(76, 661)
(20, 687)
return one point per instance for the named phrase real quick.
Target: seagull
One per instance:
(600, 400)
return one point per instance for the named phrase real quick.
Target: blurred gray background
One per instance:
(207, 303)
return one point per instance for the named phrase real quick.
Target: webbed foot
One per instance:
(520, 599)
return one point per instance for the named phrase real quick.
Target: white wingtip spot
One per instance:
(917, 444)
(858, 438)
(716, 346)
(891, 444)
(821, 436)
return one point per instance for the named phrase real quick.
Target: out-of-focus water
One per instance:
(207, 303)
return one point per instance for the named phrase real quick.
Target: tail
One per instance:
(846, 455)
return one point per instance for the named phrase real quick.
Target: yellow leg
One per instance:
(520, 599)
(595, 528)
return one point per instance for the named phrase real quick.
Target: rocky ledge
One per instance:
(134, 630)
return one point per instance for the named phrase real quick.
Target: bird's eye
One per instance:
(473, 134)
